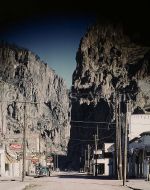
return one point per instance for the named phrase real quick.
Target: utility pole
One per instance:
(85, 160)
(96, 154)
(2, 118)
(40, 143)
(97, 133)
(2, 111)
(117, 138)
(125, 146)
(54, 162)
(88, 158)
(57, 161)
(24, 145)
(46, 152)
(118, 144)
(120, 140)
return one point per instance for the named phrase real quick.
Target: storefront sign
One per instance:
(49, 159)
(35, 160)
(15, 146)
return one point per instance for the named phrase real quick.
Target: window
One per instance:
(101, 168)
(6, 167)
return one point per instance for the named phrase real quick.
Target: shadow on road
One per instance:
(84, 176)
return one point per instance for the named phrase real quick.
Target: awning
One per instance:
(9, 159)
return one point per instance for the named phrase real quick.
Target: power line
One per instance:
(99, 127)
(93, 139)
(95, 122)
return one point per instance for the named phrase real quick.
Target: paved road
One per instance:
(75, 182)
(72, 181)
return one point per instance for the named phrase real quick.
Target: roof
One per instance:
(9, 158)
(145, 133)
(134, 139)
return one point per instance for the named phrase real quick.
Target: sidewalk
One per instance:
(13, 185)
(7, 183)
(27, 178)
(138, 184)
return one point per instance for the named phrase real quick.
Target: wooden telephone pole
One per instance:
(120, 139)
(24, 145)
(117, 139)
(88, 158)
(121, 146)
(96, 155)
(85, 165)
(125, 146)
(118, 144)
(96, 139)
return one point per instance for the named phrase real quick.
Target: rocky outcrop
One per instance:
(25, 78)
(107, 62)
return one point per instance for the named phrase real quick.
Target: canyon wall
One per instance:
(26, 80)
(109, 65)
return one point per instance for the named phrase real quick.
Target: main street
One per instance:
(71, 181)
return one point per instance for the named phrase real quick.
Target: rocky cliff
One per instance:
(25, 79)
(108, 62)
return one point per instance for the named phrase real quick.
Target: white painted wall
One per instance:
(2, 162)
(139, 123)
(16, 169)
(107, 146)
(104, 161)
(98, 151)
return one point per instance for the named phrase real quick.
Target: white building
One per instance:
(11, 155)
(138, 147)
(2, 160)
(138, 124)
(9, 165)
(101, 162)
(139, 156)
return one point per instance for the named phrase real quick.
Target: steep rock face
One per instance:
(107, 62)
(25, 78)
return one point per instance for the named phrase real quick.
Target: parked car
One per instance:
(41, 171)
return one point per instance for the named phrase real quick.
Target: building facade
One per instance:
(11, 151)
(139, 156)
(101, 163)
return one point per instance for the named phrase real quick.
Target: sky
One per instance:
(53, 31)
(54, 38)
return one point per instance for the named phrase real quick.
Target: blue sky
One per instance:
(55, 39)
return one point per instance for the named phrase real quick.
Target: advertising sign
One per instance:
(35, 160)
(15, 146)
(49, 159)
